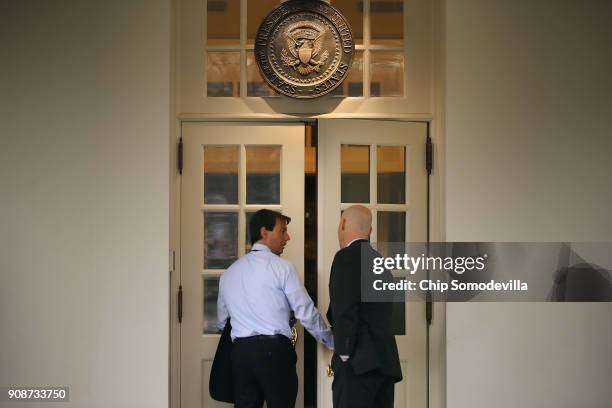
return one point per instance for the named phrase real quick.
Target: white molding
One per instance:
(437, 357)
(281, 117)
(174, 374)
(320, 261)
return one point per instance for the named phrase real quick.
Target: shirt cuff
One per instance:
(328, 339)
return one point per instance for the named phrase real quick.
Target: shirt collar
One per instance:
(260, 247)
(355, 240)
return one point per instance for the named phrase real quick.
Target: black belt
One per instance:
(261, 337)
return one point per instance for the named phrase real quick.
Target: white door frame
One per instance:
(437, 341)
(434, 114)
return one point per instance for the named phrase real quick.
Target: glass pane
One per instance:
(257, 10)
(387, 71)
(223, 74)
(221, 174)
(220, 239)
(256, 86)
(353, 84)
(391, 228)
(223, 22)
(210, 293)
(353, 11)
(391, 174)
(263, 174)
(355, 178)
(387, 22)
(248, 216)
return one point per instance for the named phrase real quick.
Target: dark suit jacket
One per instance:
(221, 383)
(362, 331)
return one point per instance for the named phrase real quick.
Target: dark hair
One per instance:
(264, 218)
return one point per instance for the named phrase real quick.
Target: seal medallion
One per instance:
(304, 48)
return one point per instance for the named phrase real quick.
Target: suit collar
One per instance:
(357, 241)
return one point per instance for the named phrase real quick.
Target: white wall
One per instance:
(84, 124)
(528, 133)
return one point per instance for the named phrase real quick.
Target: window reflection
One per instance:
(223, 22)
(391, 228)
(387, 70)
(353, 11)
(355, 176)
(221, 174)
(263, 174)
(353, 84)
(210, 295)
(391, 174)
(256, 12)
(386, 31)
(256, 86)
(223, 74)
(220, 239)
(387, 22)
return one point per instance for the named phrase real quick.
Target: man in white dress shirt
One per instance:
(258, 292)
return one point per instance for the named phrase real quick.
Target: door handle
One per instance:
(294, 336)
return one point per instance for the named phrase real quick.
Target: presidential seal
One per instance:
(304, 48)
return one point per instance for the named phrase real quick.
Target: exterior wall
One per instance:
(528, 143)
(84, 123)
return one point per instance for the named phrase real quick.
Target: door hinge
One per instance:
(180, 304)
(180, 156)
(428, 308)
(428, 155)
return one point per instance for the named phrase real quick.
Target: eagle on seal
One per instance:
(304, 41)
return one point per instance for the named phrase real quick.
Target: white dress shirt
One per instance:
(259, 290)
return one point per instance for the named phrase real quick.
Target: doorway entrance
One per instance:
(232, 169)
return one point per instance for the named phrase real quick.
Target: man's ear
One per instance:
(263, 233)
(343, 224)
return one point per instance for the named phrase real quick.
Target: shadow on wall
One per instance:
(582, 282)
(574, 279)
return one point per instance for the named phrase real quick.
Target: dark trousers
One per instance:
(264, 370)
(369, 390)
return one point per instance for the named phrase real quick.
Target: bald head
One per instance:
(358, 219)
(355, 223)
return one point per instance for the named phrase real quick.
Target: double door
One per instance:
(233, 169)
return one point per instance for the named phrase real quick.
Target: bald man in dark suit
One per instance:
(366, 362)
